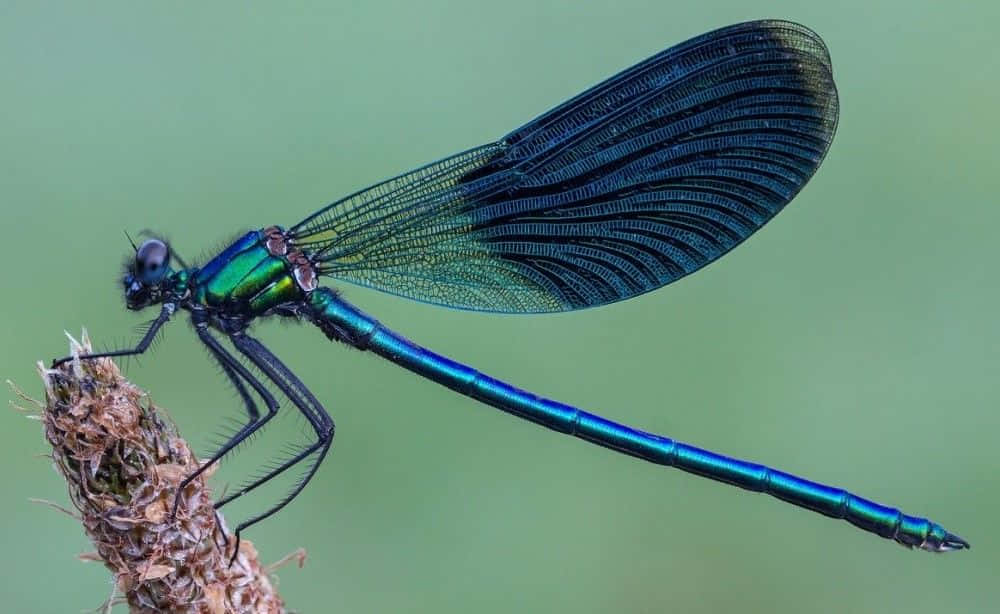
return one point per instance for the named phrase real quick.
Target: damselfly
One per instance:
(633, 184)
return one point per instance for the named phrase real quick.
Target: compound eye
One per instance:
(151, 260)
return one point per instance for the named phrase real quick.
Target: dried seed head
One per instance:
(123, 463)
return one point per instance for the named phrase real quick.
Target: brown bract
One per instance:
(123, 463)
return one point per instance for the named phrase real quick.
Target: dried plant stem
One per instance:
(123, 463)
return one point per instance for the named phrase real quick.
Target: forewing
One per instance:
(640, 180)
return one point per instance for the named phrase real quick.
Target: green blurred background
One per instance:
(853, 340)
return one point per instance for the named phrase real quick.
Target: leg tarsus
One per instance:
(165, 313)
(323, 445)
(236, 546)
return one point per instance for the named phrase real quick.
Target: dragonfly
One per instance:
(640, 180)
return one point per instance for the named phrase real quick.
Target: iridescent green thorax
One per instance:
(247, 278)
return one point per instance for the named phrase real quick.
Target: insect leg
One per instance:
(142, 346)
(234, 370)
(311, 408)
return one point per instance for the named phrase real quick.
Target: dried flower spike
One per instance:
(123, 462)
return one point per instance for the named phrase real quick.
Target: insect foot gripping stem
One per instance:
(122, 462)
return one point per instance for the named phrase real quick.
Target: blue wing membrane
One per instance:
(631, 185)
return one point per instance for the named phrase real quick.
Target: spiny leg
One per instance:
(142, 346)
(293, 388)
(311, 408)
(234, 370)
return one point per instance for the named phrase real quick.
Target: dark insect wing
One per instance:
(640, 180)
